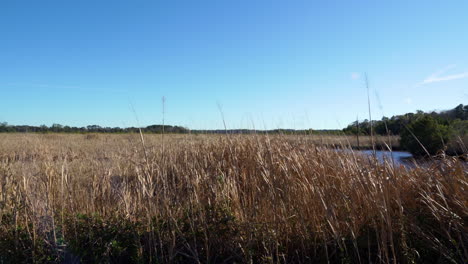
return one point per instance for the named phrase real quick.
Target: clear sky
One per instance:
(268, 64)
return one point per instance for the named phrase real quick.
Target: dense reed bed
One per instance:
(223, 199)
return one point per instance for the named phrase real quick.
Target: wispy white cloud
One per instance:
(441, 76)
(447, 78)
(355, 75)
(442, 71)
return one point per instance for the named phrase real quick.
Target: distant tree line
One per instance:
(57, 128)
(155, 129)
(456, 118)
(422, 133)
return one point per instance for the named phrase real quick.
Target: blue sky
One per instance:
(268, 64)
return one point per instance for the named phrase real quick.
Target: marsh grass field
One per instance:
(102, 198)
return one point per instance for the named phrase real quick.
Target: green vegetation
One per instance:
(156, 129)
(444, 130)
(425, 136)
(57, 128)
(457, 117)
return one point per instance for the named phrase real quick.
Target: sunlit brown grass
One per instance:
(214, 199)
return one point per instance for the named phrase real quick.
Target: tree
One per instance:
(460, 112)
(428, 132)
(3, 127)
(56, 128)
(94, 128)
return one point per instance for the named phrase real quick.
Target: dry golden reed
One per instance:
(224, 198)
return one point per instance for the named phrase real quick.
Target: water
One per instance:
(399, 157)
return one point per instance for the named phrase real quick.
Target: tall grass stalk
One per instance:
(215, 199)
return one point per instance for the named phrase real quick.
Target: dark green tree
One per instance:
(428, 132)
(460, 112)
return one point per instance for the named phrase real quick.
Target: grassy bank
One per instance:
(214, 199)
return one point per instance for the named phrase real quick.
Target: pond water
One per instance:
(399, 157)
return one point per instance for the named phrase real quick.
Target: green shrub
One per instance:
(17, 244)
(97, 240)
(431, 135)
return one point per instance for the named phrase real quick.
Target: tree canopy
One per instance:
(395, 125)
(425, 136)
